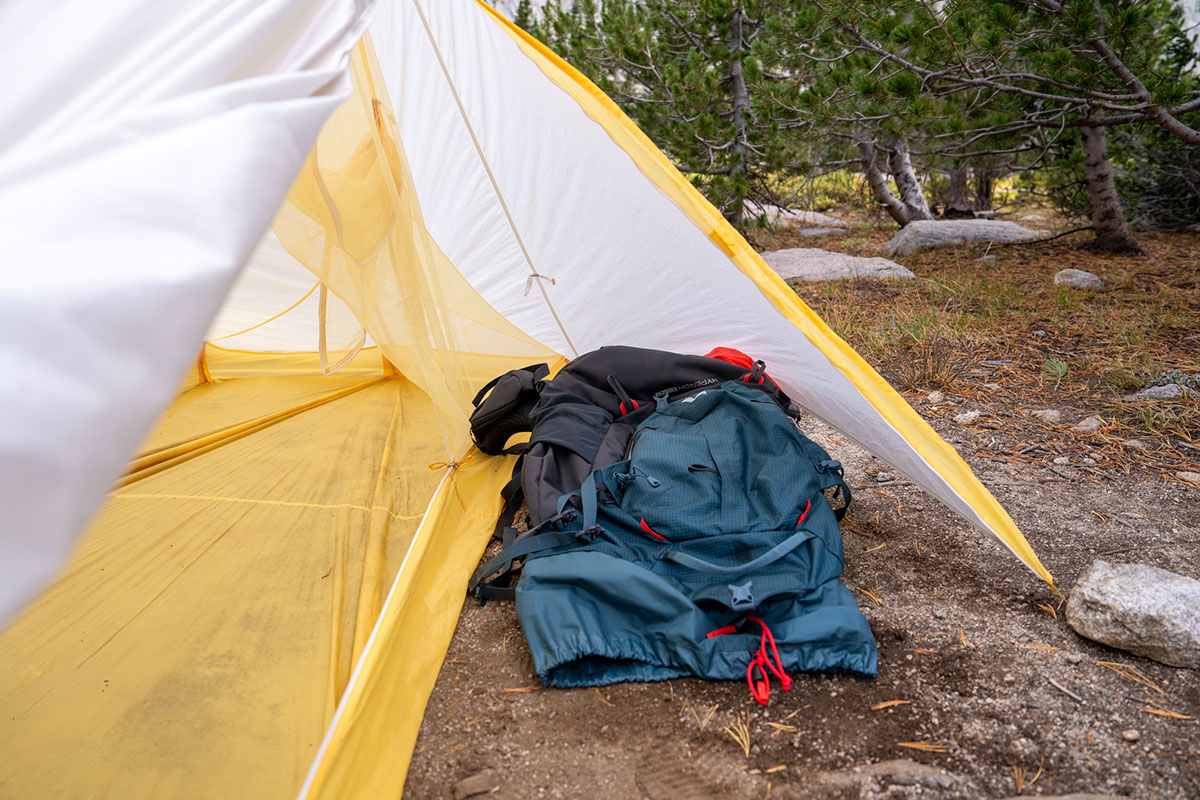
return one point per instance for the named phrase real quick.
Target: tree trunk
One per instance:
(900, 165)
(878, 182)
(985, 186)
(741, 113)
(1108, 216)
(960, 197)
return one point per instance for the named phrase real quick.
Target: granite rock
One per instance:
(1148, 611)
(812, 264)
(925, 234)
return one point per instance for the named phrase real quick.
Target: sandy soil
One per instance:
(967, 639)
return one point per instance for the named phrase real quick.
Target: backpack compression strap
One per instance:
(834, 478)
(535, 541)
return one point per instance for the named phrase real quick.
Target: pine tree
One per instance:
(1001, 78)
(523, 18)
(690, 73)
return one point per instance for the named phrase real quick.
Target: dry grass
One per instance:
(739, 731)
(966, 323)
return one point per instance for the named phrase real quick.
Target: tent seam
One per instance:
(322, 749)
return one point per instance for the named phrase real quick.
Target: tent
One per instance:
(261, 604)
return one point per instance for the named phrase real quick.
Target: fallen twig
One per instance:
(1067, 691)
(889, 704)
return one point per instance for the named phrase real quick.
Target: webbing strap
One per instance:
(770, 557)
(513, 497)
(504, 594)
(518, 548)
(587, 493)
(834, 480)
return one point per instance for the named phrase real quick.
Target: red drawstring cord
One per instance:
(760, 689)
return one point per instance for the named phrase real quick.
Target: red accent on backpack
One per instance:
(738, 359)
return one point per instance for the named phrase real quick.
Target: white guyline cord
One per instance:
(533, 273)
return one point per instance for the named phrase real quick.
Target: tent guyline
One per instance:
(533, 273)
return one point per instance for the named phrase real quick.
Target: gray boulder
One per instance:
(1172, 391)
(816, 233)
(811, 264)
(1079, 279)
(935, 233)
(1148, 611)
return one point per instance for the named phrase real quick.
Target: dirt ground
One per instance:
(998, 696)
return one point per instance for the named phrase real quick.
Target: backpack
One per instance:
(583, 418)
(704, 545)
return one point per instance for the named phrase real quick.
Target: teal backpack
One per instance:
(710, 550)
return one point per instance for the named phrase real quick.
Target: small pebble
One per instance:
(1088, 461)
(1136, 444)
(967, 418)
(1130, 735)
(1062, 461)
(935, 397)
(1191, 477)
(1074, 658)
(1051, 415)
(993, 387)
(884, 477)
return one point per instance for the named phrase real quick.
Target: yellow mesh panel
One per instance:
(352, 217)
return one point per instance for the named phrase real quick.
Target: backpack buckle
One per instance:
(756, 373)
(588, 534)
(743, 597)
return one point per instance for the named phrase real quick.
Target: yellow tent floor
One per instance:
(198, 640)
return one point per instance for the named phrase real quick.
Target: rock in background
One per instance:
(1148, 611)
(1079, 279)
(788, 217)
(812, 264)
(924, 234)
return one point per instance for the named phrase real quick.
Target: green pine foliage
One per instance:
(694, 75)
(742, 94)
